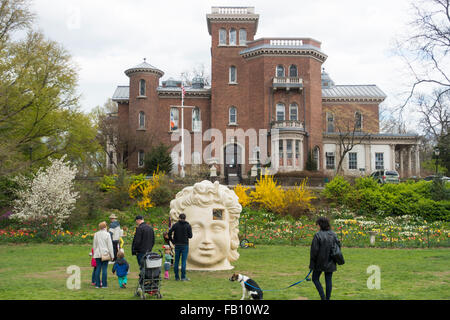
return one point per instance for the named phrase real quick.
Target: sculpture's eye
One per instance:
(218, 228)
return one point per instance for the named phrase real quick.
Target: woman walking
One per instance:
(320, 260)
(103, 253)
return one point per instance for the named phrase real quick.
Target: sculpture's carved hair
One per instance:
(207, 194)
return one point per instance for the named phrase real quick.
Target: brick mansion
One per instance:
(265, 84)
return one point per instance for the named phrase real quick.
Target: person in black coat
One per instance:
(144, 239)
(320, 256)
(179, 235)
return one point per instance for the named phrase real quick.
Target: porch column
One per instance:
(294, 156)
(401, 162)
(417, 161)
(284, 153)
(368, 159)
(392, 156)
(302, 158)
(409, 161)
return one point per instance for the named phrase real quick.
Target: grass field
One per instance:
(38, 271)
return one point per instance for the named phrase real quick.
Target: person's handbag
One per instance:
(336, 254)
(106, 257)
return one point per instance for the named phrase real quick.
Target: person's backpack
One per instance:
(336, 253)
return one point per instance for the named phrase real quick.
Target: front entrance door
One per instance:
(233, 161)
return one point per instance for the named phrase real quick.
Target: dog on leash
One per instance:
(249, 287)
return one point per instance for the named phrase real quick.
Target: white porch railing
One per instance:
(294, 124)
(287, 80)
(233, 10)
(286, 42)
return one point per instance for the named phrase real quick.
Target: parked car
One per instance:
(386, 176)
(431, 178)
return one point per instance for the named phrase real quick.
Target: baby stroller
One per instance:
(150, 276)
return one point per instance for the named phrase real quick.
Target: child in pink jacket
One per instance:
(94, 265)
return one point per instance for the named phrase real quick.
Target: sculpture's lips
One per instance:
(206, 250)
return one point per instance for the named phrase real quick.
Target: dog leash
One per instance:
(292, 285)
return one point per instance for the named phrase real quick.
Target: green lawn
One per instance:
(38, 271)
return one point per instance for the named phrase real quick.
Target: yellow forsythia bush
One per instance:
(270, 196)
(142, 189)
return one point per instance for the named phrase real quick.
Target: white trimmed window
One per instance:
(352, 161)
(280, 71)
(379, 161)
(358, 121)
(293, 112)
(232, 37)
(330, 122)
(293, 72)
(141, 120)
(222, 37)
(142, 88)
(233, 115)
(141, 156)
(242, 37)
(174, 119)
(281, 112)
(233, 74)
(196, 120)
(330, 160)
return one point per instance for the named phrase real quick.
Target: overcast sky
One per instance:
(105, 37)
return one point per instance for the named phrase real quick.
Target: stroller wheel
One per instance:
(159, 296)
(138, 292)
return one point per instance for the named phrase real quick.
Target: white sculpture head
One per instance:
(213, 212)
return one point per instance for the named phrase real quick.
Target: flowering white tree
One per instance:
(47, 198)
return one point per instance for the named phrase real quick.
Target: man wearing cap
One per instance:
(144, 239)
(116, 232)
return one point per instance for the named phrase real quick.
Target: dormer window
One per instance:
(142, 88)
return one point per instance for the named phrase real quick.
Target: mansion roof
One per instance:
(338, 93)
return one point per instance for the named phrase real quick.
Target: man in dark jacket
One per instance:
(320, 257)
(179, 235)
(144, 239)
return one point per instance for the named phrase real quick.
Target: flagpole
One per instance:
(182, 173)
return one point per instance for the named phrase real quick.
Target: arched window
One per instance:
(141, 155)
(142, 88)
(196, 120)
(316, 156)
(330, 122)
(233, 115)
(196, 158)
(233, 74)
(242, 37)
(222, 36)
(141, 120)
(281, 112)
(293, 71)
(232, 37)
(293, 112)
(358, 121)
(280, 71)
(174, 117)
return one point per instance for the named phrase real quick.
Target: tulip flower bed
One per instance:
(400, 232)
(261, 227)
